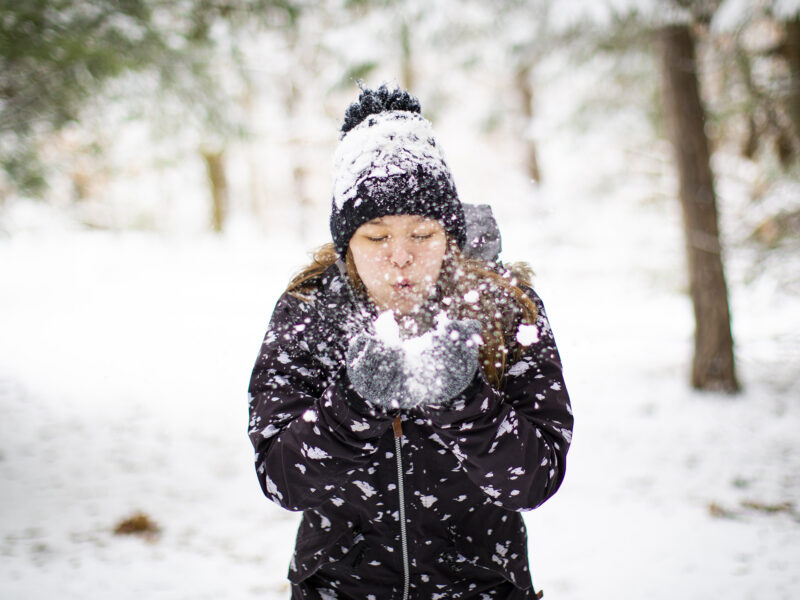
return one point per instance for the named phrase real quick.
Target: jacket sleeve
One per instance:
(513, 443)
(310, 430)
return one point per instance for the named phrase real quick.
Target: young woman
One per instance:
(407, 398)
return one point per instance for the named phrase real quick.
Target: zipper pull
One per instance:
(398, 427)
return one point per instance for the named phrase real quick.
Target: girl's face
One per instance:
(398, 258)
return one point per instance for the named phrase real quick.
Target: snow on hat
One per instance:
(388, 163)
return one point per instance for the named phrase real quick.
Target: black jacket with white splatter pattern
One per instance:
(467, 470)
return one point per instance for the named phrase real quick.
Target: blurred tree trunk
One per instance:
(772, 116)
(522, 80)
(257, 168)
(215, 167)
(713, 364)
(295, 145)
(792, 50)
(406, 57)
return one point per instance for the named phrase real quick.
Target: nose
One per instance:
(400, 254)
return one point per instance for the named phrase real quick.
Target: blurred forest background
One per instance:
(167, 115)
(165, 166)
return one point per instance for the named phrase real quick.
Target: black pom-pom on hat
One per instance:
(372, 102)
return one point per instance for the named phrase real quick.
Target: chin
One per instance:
(405, 306)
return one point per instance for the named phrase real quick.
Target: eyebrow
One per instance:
(380, 221)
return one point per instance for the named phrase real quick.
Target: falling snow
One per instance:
(624, 327)
(527, 334)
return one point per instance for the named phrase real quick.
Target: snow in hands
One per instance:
(435, 366)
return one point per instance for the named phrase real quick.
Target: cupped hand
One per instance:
(376, 371)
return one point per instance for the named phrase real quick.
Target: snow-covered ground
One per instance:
(125, 357)
(124, 360)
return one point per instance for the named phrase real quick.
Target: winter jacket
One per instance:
(423, 506)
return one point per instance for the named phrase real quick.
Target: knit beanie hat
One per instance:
(388, 163)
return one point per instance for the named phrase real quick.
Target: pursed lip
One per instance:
(403, 286)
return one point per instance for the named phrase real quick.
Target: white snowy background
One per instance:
(125, 357)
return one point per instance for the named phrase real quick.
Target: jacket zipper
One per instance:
(398, 434)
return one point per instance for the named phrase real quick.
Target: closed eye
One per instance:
(381, 238)
(422, 236)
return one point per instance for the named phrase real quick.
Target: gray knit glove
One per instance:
(451, 361)
(376, 371)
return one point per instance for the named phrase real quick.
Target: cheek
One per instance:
(369, 266)
(431, 261)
